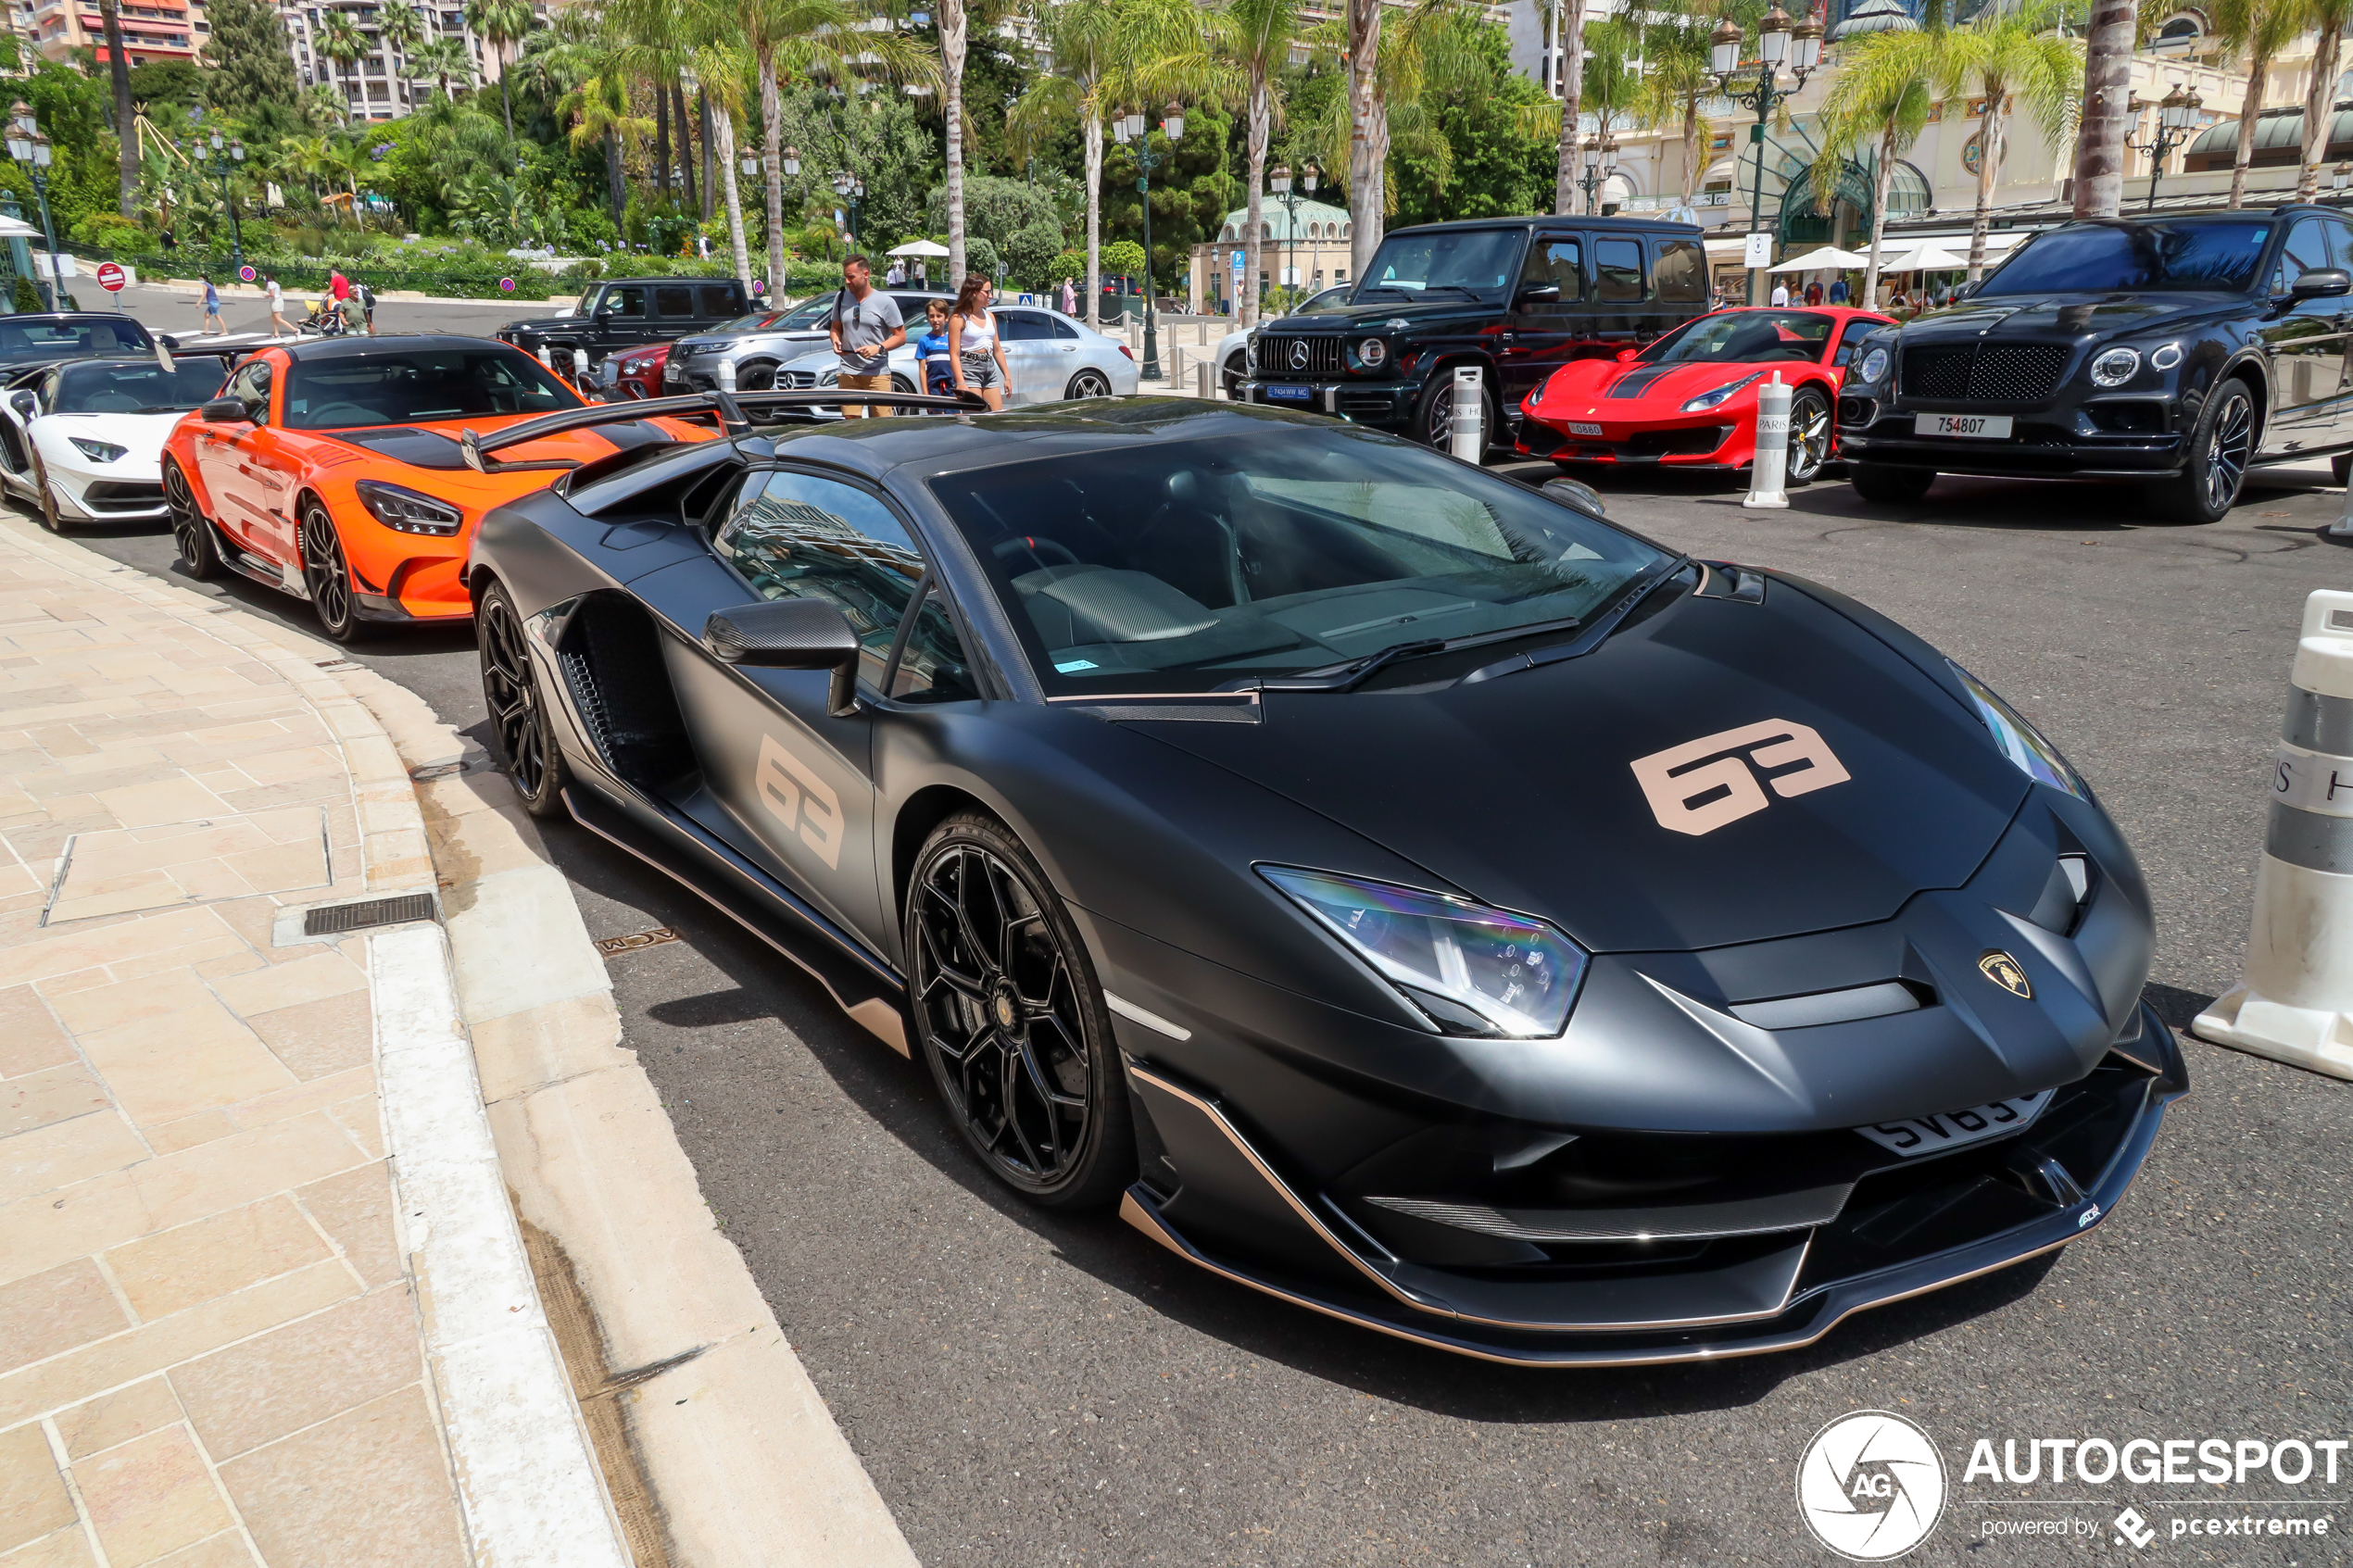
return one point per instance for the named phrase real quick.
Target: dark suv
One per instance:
(2178, 350)
(1520, 296)
(629, 312)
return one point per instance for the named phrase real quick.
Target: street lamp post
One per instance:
(1131, 127)
(1780, 48)
(28, 143)
(225, 156)
(1600, 168)
(2176, 118)
(1279, 180)
(851, 190)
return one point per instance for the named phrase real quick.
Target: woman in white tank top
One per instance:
(976, 352)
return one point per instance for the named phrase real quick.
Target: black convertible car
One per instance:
(1397, 890)
(2177, 350)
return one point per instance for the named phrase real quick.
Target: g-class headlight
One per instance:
(1469, 969)
(2020, 741)
(1372, 354)
(2114, 366)
(1873, 365)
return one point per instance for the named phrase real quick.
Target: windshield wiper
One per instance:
(1348, 676)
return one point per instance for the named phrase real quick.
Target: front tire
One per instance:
(199, 557)
(1434, 419)
(1875, 482)
(1810, 437)
(49, 519)
(523, 737)
(327, 576)
(2221, 444)
(1012, 1020)
(1231, 372)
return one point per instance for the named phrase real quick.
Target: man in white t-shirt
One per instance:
(1781, 296)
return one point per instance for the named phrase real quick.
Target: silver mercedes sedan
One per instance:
(758, 343)
(1049, 356)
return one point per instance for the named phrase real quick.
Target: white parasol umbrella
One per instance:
(1828, 258)
(1922, 258)
(919, 247)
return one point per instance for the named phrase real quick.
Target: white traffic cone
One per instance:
(2295, 1003)
(1771, 468)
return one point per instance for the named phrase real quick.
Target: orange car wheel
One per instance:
(199, 558)
(327, 576)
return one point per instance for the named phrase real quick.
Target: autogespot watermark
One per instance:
(1872, 1486)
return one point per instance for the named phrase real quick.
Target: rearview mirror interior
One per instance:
(224, 411)
(790, 635)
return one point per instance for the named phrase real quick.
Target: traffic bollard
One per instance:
(1771, 470)
(726, 375)
(2343, 527)
(545, 358)
(1469, 438)
(1201, 384)
(2294, 1001)
(580, 367)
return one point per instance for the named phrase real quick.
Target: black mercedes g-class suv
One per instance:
(628, 313)
(2180, 350)
(1518, 296)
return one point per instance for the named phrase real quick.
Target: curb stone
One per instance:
(528, 1487)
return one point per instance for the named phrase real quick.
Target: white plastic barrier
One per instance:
(2295, 1002)
(1771, 470)
(726, 375)
(1468, 441)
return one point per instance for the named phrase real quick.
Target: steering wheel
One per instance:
(1037, 547)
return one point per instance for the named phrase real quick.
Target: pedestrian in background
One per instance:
(1814, 291)
(866, 327)
(1838, 289)
(367, 297)
(972, 334)
(1780, 294)
(212, 321)
(934, 353)
(1070, 296)
(278, 325)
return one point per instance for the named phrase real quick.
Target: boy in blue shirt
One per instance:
(931, 349)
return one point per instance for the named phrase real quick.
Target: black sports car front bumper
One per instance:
(1891, 1229)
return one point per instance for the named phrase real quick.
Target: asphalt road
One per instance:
(1045, 1389)
(181, 312)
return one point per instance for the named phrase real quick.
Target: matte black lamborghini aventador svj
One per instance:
(1398, 891)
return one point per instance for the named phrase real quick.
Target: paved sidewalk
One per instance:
(212, 1349)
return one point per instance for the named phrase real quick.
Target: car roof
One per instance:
(362, 347)
(1632, 225)
(71, 318)
(683, 280)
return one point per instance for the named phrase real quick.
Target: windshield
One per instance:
(1277, 549)
(1744, 337)
(24, 342)
(140, 387)
(1458, 263)
(2130, 258)
(1330, 300)
(758, 321)
(810, 312)
(418, 386)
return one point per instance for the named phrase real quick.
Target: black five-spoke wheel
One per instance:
(1011, 1020)
(518, 723)
(199, 557)
(327, 576)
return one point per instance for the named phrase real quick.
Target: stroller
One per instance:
(324, 320)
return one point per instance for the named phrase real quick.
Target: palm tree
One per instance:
(2107, 90)
(127, 151)
(1258, 38)
(341, 40)
(402, 28)
(1434, 50)
(1107, 55)
(1885, 86)
(1368, 132)
(443, 61)
(2320, 102)
(598, 110)
(718, 76)
(1570, 52)
(500, 23)
(1675, 82)
(2255, 30)
(2006, 54)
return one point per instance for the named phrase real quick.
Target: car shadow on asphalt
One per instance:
(899, 1096)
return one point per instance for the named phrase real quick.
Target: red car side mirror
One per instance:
(1626, 356)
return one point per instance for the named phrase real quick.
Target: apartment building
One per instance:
(152, 30)
(378, 85)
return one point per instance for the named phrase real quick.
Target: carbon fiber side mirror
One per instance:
(790, 635)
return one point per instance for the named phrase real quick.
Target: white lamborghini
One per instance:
(83, 440)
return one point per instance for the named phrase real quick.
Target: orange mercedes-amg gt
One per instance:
(335, 471)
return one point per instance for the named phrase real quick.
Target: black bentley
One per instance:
(1398, 891)
(2180, 351)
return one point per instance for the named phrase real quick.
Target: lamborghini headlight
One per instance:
(406, 510)
(1873, 365)
(1469, 969)
(2020, 741)
(1710, 399)
(98, 451)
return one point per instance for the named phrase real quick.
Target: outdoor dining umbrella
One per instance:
(1828, 258)
(919, 247)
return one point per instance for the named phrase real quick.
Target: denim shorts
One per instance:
(980, 374)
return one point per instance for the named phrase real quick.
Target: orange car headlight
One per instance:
(406, 510)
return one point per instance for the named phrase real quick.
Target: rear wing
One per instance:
(737, 412)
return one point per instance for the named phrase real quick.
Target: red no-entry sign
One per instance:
(110, 276)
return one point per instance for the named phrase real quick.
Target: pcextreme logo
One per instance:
(1871, 1485)
(798, 797)
(1703, 784)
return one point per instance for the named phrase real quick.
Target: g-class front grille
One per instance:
(1998, 372)
(1297, 356)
